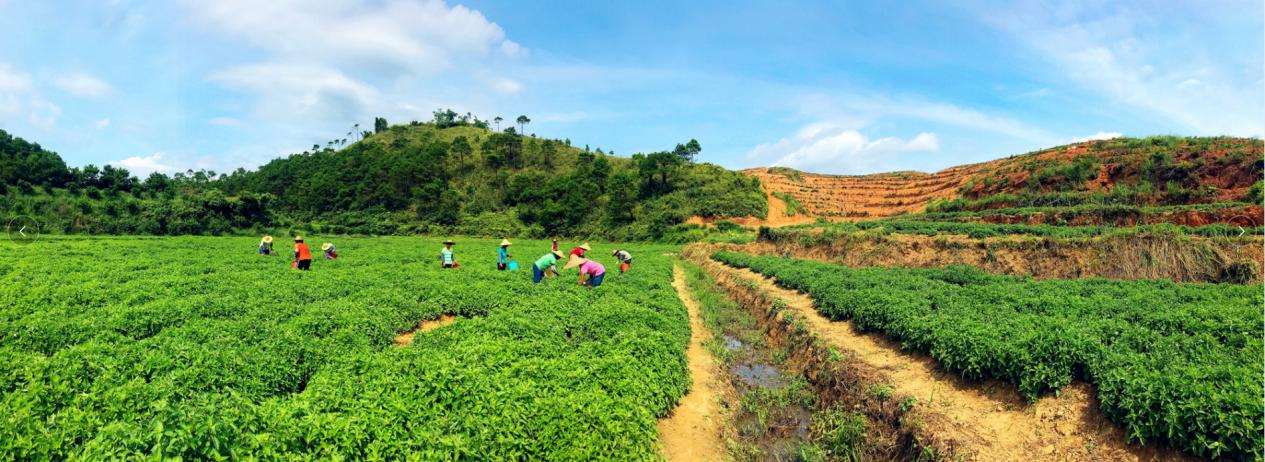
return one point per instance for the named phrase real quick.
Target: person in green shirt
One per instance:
(446, 258)
(538, 269)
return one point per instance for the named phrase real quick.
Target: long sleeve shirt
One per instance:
(502, 254)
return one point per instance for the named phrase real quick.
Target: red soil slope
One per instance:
(1224, 168)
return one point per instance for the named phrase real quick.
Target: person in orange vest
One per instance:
(624, 258)
(330, 252)
(302, 256)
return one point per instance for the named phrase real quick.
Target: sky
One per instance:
(831, 87)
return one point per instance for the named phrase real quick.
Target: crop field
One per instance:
(198, 348)
(983, 230)
(1177, 363)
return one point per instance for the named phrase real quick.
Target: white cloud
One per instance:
(301, 91)
(83, 84)
(1128, 58)
(504, 86)
(829, 148)
(15, 89)
(1188, 83)
(325, 67)
(1098, 136)
(19, 99)
(141, 166)
(860, 109)
(409, 37)
(42, 114)
(103, 123)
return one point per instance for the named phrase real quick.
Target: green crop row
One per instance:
(983, 230)
(1179, 363)
(1107, 213)
(198, 348)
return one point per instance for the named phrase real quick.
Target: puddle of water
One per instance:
(759, 375)
(779, 437)
(732, 343)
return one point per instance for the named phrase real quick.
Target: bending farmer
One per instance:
(624, 258)
(594, 271)
(538, 269)
(330, 253)
(579, 251)
(302, 256)
(265, 246)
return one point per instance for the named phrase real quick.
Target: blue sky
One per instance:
(834, 87)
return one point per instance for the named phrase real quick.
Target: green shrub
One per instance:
(1178, 363)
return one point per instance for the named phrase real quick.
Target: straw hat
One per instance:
(575, 261)
(268, 239)
(326, 246)
(298, 238)
(449, 242)
(505, 242)
(585, 246)
(557, 253)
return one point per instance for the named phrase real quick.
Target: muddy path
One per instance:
(406, 337)
(693, 430)
(972, 420)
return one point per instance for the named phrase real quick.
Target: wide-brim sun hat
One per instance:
(298, 238)
(585, 246)
(267, 238)
(557, 253)
(615, 252)
(505, 242)
(449, 242)
(326, 246)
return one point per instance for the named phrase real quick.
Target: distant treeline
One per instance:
(450, 175)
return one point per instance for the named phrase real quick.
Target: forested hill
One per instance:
(451, 175)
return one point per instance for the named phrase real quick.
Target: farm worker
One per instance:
(302, 256)
(503, 255)
(594, 271)
(579, 251)
(265, 245)
(330, 253)
(446, 258)
(624, 258)
(553, 269)
(577, 256)
(543, 264)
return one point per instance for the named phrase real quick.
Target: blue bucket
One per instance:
(513, 265)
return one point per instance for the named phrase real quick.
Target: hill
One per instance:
(447, 176)
(1125, 174)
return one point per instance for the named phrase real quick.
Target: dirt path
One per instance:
(988, 421)
(406, 337)
(777, 214)
(693, 430)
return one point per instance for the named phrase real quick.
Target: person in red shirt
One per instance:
(302, 256)
(579, 251)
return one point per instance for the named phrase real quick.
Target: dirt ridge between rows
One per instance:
(693, 430)
(962, 419)
(406, 337)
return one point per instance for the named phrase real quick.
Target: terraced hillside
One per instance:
(1141, 173)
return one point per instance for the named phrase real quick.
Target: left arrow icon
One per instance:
(20, 231)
